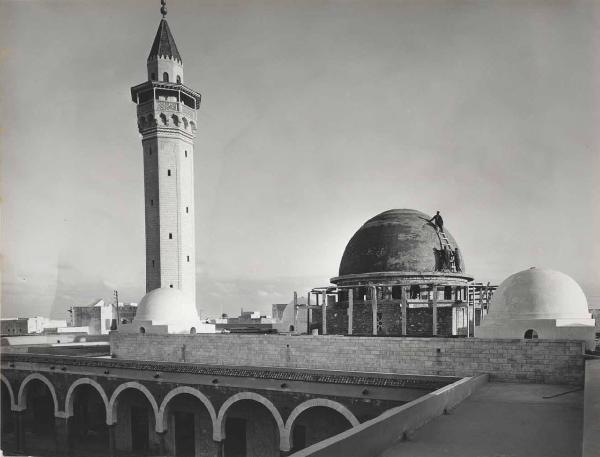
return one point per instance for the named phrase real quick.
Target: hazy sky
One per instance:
(316, 115)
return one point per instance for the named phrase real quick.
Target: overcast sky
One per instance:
(316, 115)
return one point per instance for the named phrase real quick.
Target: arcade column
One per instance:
(350, 309)
(62, 435)
(20, 421)
(112, 440)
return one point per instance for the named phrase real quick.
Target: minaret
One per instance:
(166, 112)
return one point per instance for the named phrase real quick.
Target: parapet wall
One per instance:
(376, 435)
(539, 361)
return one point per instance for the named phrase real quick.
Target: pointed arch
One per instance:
(110, 414)
(22, 401)
(11, 393)
(70, 395)
(324, 402)
(162, 417)
(219, 431)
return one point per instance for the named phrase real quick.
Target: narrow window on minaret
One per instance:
(151, 202)
(150, 151)
(153, 264)
(186, 153)
(171, 286)
(168, 172)
(170, 236)
(178, 79)
(187, 209)
(188, 258)
(166, 77)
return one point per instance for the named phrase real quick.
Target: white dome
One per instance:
(166, 306)
(539, 294)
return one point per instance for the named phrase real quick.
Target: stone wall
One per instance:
(540, 361)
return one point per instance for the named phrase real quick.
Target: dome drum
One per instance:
(401, 279)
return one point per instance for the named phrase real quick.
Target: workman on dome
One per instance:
(438, 221)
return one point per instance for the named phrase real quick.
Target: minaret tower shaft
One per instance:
(166, 112)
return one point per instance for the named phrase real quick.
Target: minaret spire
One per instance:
(163, 8)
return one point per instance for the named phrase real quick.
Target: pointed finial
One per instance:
(163, 8)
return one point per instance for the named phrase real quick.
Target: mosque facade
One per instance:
(167, 387)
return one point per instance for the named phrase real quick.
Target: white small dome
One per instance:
(538, 293)
(166, 306)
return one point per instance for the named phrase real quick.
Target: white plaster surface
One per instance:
(539, 293)
(167, 310)
(547, 301)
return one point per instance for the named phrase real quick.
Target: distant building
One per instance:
(14, 326)
(247, 322)
(99, 316)
(250, 317)
(283, 313)
(30, 325)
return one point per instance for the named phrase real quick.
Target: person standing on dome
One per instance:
(438, 221)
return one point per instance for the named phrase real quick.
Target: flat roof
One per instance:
(504, 419)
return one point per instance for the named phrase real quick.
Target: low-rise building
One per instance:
(293, 315)
(29, 325)
(100, 316)
(13, 326)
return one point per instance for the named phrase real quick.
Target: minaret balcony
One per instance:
(164, 106)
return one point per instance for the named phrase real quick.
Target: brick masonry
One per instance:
(420, 320)
(536, 361)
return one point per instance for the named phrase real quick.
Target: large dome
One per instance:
(538, 293)
(398, 240)
(166, 306)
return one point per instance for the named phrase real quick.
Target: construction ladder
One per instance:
(445, 243)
